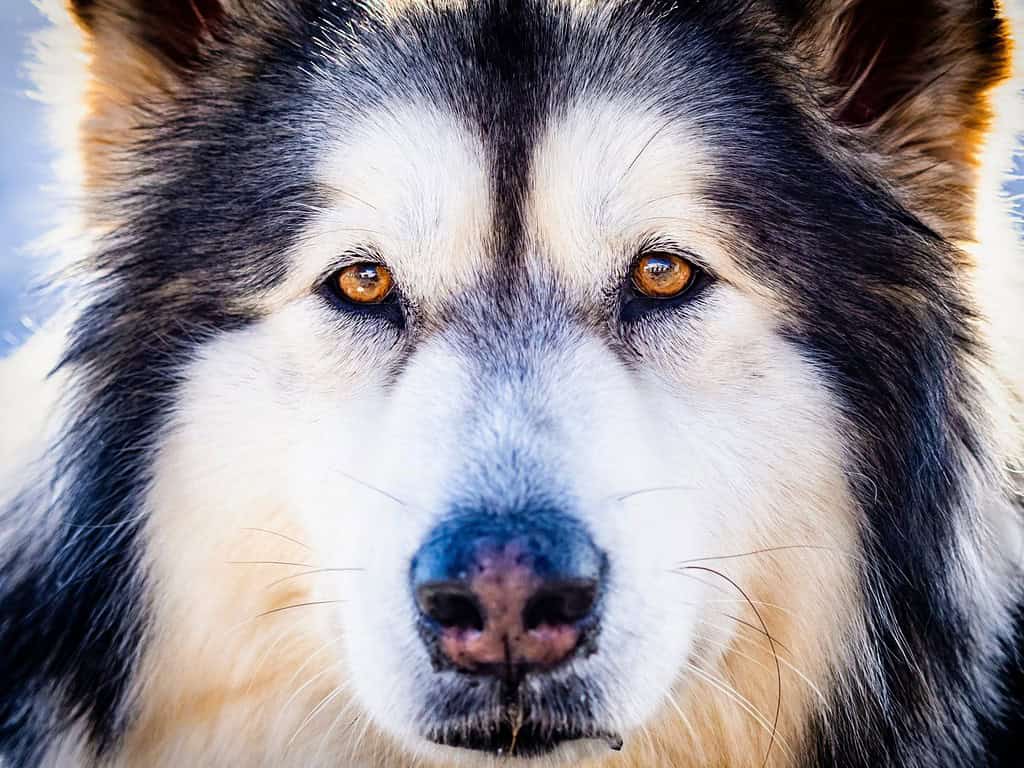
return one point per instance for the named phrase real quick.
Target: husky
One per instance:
(535, 383)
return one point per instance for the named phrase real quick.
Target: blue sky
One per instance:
(24, 172)
(24, 168)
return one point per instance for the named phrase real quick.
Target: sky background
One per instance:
(25, 171)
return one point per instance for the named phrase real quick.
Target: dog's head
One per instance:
(549, 374)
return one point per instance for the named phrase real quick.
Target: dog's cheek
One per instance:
(241, 608)
(729, 450)
(370, 479)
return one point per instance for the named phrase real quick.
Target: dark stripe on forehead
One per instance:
(493, 62)
(512, 93)
(507, 69)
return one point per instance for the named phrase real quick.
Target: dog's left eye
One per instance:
(365, 289)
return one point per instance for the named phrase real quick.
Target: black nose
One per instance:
(501, 595)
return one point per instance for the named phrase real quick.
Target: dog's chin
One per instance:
(506, 737)
(545, 717)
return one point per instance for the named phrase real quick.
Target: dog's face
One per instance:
(548, 332)
(571, 393)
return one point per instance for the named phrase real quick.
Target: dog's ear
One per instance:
(914, 78)
(139, 55)
(169, 32)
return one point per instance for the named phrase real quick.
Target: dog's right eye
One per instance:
(660, 275)
(364, 283)
(365, 288)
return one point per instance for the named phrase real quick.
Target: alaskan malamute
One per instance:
(522, 382)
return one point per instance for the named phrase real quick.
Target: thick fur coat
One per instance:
(219, 476)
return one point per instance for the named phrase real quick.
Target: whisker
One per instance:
(358, 742)
(325, 739)
(614, 188)
(655, 489)
(770, 550)
(332, 189)
(285, 633)
(299, 605)
(279, 535)
(312, 679)
(372, 487)
(742, 701)
(753, 627)
(762, 603)
(643, 149)
(324, 702)
(686, 722)
(312, 572)
(706, 582)
(283, 711)
(756, 629)
(771, 643)
(727, 647)
(795, 670)
(269, 562)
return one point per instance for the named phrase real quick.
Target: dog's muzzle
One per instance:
(503, 599)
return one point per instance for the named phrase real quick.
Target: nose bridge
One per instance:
(509, 581)
(518, 349)
(512, 322)
(548, 542)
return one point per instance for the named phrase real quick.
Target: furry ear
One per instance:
(139, 55)
(170, 30)
(914, 78)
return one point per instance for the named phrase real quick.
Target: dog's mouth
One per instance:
(513, 736)
(510, 738)
(525, 717)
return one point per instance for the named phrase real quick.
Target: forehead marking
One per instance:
(610, 175)
(410, 184)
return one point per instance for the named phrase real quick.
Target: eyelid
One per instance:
(668, 245)
(348, 259)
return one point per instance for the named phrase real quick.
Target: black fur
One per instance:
(206, 226)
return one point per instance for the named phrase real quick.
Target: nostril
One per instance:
(452, 606)
(560, 605)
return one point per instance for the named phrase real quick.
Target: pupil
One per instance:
(659, 268)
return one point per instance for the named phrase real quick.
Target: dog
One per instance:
(521, 382)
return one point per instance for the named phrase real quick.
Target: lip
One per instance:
(509, 736)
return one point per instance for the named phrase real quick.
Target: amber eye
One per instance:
(662, 275)
(364, 283)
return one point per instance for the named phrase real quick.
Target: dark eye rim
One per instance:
(636, 305)
(389, 309)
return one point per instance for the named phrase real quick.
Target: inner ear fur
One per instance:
(139, 54)
(914, 78)
(171, 30)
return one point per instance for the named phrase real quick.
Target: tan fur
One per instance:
(930, 142)
(221, 675)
